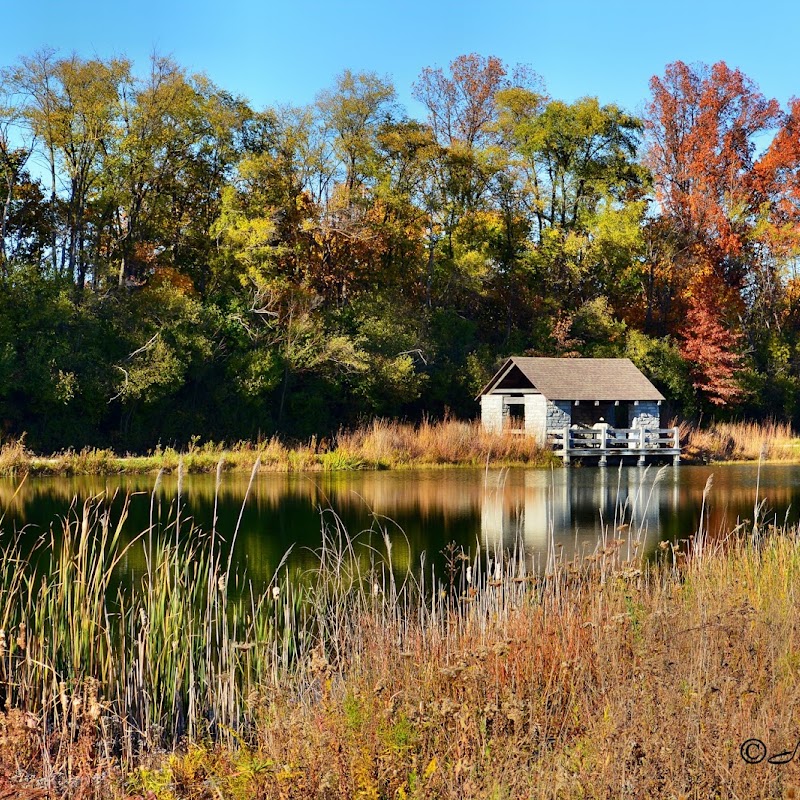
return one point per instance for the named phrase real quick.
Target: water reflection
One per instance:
(424, 510)
(575, 508)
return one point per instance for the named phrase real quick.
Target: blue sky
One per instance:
(283, 52)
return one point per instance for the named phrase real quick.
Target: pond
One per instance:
(422, 511)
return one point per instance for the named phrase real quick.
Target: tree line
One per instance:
(174, 262)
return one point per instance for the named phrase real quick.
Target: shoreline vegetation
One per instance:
(384, 444)
(381, 444)
(607, 675)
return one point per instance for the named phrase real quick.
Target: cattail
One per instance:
(469, 575)
(62, 688)
(94, 705)
(22, 639)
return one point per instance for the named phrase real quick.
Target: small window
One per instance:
(516, 416)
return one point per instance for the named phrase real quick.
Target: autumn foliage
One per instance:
(731, 210)
(175, 262)
(710, 346)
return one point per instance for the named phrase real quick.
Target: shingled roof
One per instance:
(580, 378)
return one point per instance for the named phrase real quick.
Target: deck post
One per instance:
(676, 459)
(603, 446)
(566, 445)
(642, 440)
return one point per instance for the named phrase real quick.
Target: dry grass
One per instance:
(603, 680)
(741, 441)
(395, 444)
(379, 445)
(14, 458)
(611, 676)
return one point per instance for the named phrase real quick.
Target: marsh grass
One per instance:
(394, 444)
(379, 445)
(384, 444)
(741, 441)
(608, 675)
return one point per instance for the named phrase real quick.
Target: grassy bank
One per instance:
(740, 441)
(388, 445)
(379, 445)
(608, 676)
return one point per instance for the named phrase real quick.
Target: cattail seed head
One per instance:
(22, 639)
(94, 710)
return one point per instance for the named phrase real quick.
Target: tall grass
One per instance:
(741, 441)
(379, 445)
(450, 442)
(112, 671)
(384, 444)
(608, 675)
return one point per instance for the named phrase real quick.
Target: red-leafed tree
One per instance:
(462, 104)
(702, 124)
(776, 182)
(710, 345)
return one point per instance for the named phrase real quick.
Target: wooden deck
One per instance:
(616, 443)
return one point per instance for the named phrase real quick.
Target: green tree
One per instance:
(575, 171)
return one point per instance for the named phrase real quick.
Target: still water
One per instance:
(422, 510)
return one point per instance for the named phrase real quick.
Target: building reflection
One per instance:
(575, 509)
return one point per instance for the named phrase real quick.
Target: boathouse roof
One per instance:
(573, 379)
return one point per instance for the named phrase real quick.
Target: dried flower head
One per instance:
(22, 638)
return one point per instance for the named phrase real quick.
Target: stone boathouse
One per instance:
(605, 404)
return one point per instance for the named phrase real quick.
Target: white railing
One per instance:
(604, 441)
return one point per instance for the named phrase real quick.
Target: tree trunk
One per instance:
(53, 213)
(4, 221)
(429, 280)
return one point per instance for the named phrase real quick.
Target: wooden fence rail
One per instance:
(604, 441)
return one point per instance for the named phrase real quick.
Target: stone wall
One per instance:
(559, 414)
(492, 412)
(536, 417)
(646, 415)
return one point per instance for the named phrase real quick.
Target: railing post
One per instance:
(642, 445)
(603, 446)
(676, 459)
(566, 445)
